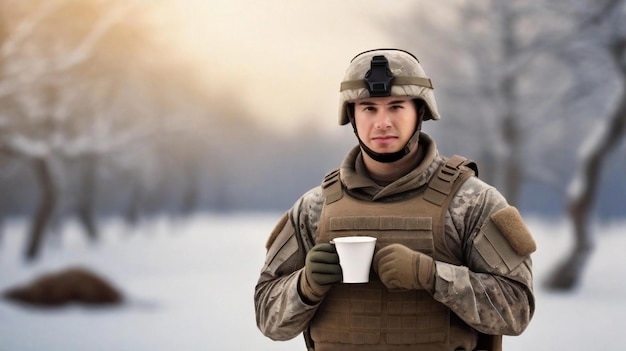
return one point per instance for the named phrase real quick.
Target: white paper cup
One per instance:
(355, 257)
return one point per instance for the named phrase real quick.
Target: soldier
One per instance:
(451, 268)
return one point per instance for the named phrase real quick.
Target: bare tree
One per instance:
(604, 22)
(494, 69)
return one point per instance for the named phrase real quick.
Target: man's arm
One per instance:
(281, 312)
(492, 292)
(491, 304)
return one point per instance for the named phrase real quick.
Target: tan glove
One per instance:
(402, 268)
(321, 271)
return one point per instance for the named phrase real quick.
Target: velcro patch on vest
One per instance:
(380, 223)
(511, 225)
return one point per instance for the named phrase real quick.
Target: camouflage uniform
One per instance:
(490, 297)
(482, 280)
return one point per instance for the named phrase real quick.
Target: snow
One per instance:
(190, 285)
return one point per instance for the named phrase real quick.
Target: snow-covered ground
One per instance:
(191, 283)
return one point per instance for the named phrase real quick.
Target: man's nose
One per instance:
(383, 120)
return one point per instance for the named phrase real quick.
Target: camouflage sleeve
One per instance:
(281, 314)
(492, 294)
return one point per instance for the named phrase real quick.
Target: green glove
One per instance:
(321, 270)
(402, 268)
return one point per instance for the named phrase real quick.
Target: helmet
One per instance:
(386, 72)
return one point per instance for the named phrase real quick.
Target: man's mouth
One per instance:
(384, 140)
(385, 137)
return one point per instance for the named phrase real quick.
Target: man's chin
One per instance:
(385, 150)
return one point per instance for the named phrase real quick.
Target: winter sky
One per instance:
(285, 59)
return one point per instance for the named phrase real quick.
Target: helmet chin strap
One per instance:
(390, 157)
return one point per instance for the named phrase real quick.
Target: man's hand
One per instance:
(321, 270)
(402, 268)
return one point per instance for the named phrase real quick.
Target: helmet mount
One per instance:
(379, 77)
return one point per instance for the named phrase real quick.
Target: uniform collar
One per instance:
(359, 184)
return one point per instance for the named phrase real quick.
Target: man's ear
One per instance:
(420, 107)
(350, 111)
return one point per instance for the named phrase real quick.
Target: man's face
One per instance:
(385, 124)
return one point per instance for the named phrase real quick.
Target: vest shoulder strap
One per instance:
(444, 182)
(332, 189)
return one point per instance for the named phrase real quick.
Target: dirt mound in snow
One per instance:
(72, 285)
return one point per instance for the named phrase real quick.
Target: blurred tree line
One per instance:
(100, 116)
(97, 115)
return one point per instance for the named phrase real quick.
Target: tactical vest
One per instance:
(369, 316)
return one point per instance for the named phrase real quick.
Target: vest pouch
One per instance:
(369, 314)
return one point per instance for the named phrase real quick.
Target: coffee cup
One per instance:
(355, 257)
